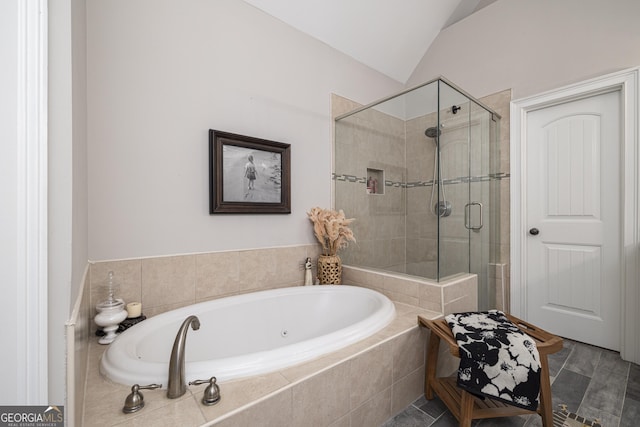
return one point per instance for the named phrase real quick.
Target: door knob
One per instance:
(534, 231)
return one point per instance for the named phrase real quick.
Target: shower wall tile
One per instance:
(422, 249)
(495, 281)
(372, 140)
(505, 217)
(500, 103)
(341, 105)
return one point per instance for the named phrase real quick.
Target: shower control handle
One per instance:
(534, 231)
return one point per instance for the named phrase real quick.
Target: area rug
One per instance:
(564, 418)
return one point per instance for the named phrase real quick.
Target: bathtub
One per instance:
(249, 334)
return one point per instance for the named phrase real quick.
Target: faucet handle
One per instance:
(148, 387)
(211, 393)
(135, 401)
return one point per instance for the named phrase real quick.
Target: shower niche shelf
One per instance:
(375, 181)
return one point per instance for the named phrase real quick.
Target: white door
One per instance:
(573, 175)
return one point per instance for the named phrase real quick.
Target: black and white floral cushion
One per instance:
(497, 359)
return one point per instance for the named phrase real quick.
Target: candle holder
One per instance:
(110, 313)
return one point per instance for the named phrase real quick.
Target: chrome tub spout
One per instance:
(177, 384)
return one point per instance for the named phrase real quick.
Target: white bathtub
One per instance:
(249, 334)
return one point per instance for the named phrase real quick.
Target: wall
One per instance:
(67, 214)
(534, 46)
(9, 363)
(160, 75)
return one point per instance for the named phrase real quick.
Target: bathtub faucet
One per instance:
(177, 384)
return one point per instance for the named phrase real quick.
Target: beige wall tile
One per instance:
(217, 274)
(290, 264)
(258, 268)
(373, 412)
(400, 297)
(232, 397)
(459, 288)
(465, 303)
(342, 422)
(168, 280)
(154, 311)
(408, 352)
(363, 277)
(407, 287)
(330, 387)
(274, 411)
(407, 390)
(430, 297)
(127, 276)
(303, 370)
(370, 373)
(341, 105)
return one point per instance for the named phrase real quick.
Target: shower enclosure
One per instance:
(419, 172)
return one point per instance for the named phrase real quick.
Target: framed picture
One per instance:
(248, 175)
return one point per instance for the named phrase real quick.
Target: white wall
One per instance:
(160, 75)
(534, 46)
(68, 202)
(8, 207)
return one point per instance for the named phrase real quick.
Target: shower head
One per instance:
(432, 132)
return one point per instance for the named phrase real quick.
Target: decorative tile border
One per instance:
(430, 183)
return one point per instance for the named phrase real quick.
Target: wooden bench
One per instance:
(463, 405)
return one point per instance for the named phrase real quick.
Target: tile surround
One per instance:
(165, 283)
(458, 293)
(385, 372)
(361, 385)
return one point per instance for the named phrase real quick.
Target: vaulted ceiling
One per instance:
(389, 36)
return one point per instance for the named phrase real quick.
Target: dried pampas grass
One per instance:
(331, 228)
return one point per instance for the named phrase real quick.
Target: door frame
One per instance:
(628, 83)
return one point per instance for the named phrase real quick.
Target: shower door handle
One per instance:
(467, 216)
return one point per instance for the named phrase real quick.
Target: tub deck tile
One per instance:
(240, 398)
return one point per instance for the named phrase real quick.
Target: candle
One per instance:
(134, 309)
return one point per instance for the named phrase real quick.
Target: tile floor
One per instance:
(591, 381)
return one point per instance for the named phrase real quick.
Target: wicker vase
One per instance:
(329, 270)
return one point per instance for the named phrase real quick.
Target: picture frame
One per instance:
(248, 175)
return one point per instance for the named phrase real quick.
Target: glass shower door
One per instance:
(453, 184)
(467, 150)
(479, 211)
